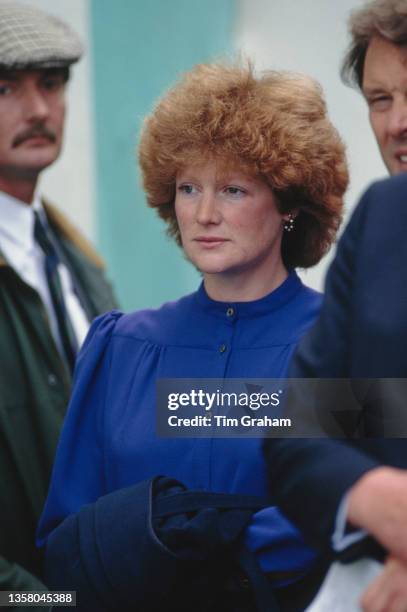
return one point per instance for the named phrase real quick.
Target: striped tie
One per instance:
(51, 261)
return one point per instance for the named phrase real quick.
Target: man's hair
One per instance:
(275, 127)
(385, 18)
(64, 71)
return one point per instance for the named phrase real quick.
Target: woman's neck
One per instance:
(244, 287)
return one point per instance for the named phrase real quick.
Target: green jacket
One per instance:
(34, 392)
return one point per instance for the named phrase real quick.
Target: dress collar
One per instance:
(273, 301)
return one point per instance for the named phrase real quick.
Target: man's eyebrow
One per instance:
(373, 89)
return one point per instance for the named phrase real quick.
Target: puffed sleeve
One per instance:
(78, 475)
(98, 543)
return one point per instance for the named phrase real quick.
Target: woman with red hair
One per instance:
(249, 175)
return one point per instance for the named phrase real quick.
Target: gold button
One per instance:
(230, 311)
(222, 348)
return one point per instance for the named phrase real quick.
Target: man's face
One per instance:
(385, 89)
(32, 110)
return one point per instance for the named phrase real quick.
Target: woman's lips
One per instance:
(209, 242)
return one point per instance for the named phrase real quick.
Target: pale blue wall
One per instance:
(139, 48)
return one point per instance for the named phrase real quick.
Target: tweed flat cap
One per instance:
(30, 38)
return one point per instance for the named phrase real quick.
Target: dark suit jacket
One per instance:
(171, 548)
(361, 333)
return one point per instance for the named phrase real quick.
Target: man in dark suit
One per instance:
(361, 334)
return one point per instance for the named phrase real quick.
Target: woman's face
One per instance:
(229, 222)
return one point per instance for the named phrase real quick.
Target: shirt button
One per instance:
(222, 348)
(230, 312)
(52, 380)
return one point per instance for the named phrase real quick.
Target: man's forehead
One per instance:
(384, 61)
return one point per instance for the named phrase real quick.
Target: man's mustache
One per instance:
(33, 132)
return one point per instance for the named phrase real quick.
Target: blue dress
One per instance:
(108, 440)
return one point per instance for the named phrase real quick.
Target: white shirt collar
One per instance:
(26, 257)
(17, 221)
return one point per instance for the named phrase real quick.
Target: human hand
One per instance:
(387, 592)
(378, 503)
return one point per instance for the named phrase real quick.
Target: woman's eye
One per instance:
(187, 188)
(233, 191)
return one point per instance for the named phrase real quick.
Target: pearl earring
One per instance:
(289, 224)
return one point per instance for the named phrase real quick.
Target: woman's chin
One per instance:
(209, 270)
(210, 265)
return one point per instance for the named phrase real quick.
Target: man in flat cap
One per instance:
(51, 280)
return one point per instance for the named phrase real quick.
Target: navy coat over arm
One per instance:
(361, 333)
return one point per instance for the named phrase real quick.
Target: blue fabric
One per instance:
(108, 440)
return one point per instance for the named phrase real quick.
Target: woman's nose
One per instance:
(208, 210)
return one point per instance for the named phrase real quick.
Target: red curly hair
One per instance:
(275, 126)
